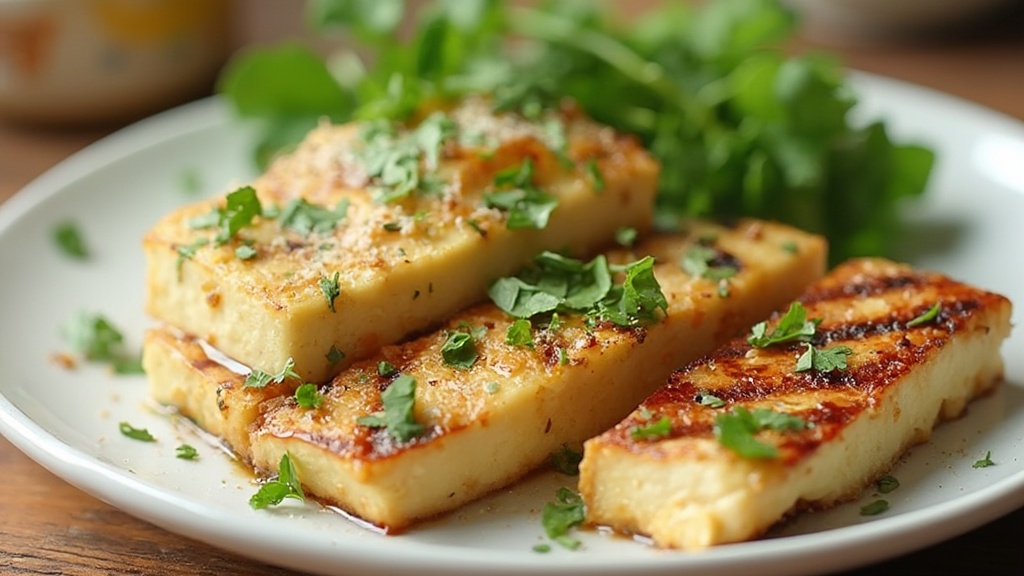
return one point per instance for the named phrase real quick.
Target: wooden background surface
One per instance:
(50, 527)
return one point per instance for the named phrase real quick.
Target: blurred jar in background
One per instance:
(78, 62)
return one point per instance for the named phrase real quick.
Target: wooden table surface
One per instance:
(49, 527)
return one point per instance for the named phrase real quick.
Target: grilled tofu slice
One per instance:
(485, 426)
(382, 231)
(746, 439)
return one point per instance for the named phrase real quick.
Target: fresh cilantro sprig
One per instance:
(562, 515)
(241, 207)
(792, 327)
(459, 350)
(260, 379)
(557, 283)
(98, 340)
(286, 485)
(397, 417)
(741, 126)
(823, 359)
(308, 396)
(737, 430)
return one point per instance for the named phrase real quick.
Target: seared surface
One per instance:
(900, 380)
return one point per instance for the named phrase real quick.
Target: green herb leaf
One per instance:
(710, 400)
(308, 396)
(559, 517)
(823, 360)
(306, 218)
(887, 484)
(737, 430)
(660, 428)
(260, 379)
(69, 240)
(792, 327)
(520, 333)
(386, 369)
(274, 492)
(459, 350)
(626, 237)
(398, 417)
(527, 208)
(331, 289)
(874, 508)
(984, 462)
(927, 316)
(567, 461)
(241, 207)
(596, 177)
(140, 434)
(245, 252)
(186, 452)
(334, 355)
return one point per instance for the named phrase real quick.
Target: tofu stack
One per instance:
(803, 412)
(371, 231)
(475, 426)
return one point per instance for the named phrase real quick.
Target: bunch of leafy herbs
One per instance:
(741, 127)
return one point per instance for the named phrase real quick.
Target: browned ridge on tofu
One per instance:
(487, 425)
(685, 489)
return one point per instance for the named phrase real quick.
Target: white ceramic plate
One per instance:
(67, 420)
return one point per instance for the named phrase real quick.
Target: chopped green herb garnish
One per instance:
(306, 218)
(96, 339)
(874, 508)
(334, 355)
(385, 368)
(793, 327)
(526, 207)
(186, 452)
(69, 240)
(567, 461)
(652, 430)
(541, 548)
(823, 360)
(130, 431)
(459, 350)
(392, 226)
(308, 396)
(188, 251)
(191, 181)
(560, 516)
(626, 237)
(520, 333)
(398, 416)
(492, 387)
(331, 289)
(260, 379)
(274, 492)
(738, 428)
(710, 400)
(929, 315)
(790, 247)
(240, 209)
(984, 462)
(245, 252)
(887, 484)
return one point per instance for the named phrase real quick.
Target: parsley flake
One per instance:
(874, 508)
(385, 369)
(520, 333)
(260, 379)
(984, 462)
(823, 360)
(69, 240)
(240, 209)
(397, 417)
(308, 396)
(887, 484)
(526, 205)
(306, 218)
(186, 452)
(98, 340)
(567, 461)
(793, 327)
(596, 177)
(459, 350)
(334, 355)
(737, 430)
(710, 400)
(331, 289)
(274, 492)
(626, 237)
(559, 517)
(652, 430)
(140, 434)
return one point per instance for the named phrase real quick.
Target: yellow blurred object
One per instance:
(73, 62)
